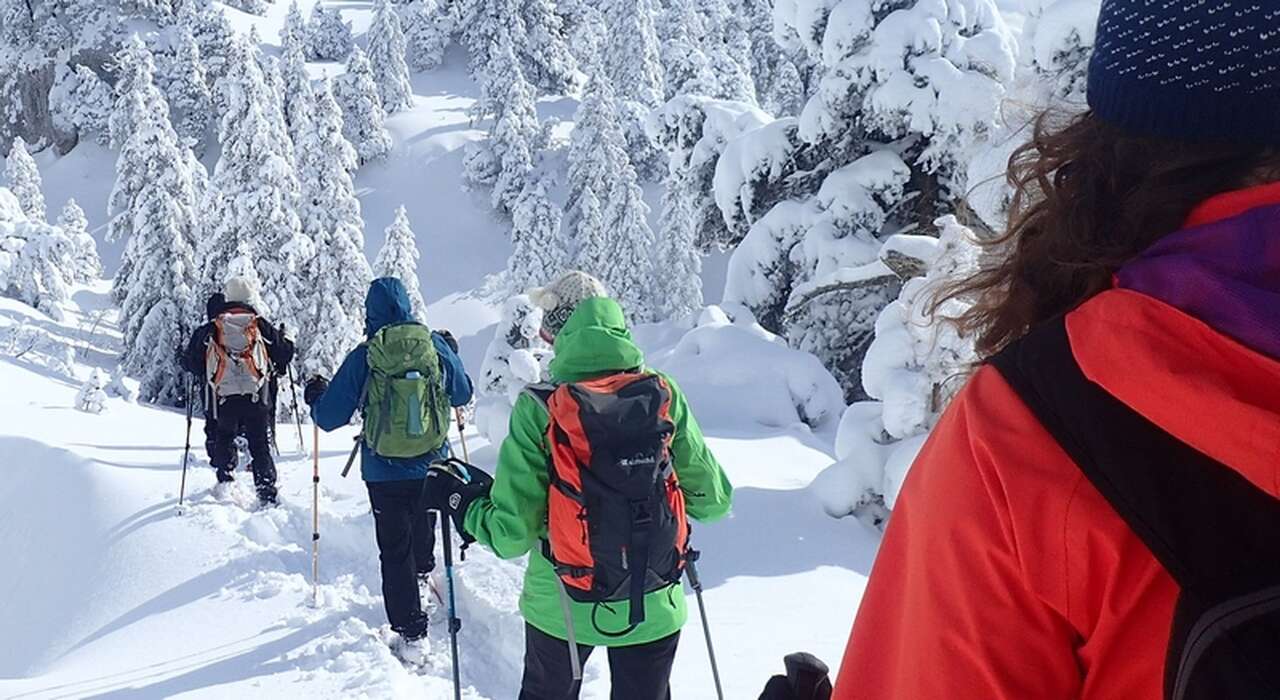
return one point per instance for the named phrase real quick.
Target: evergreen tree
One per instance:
(387, 58)
(328, 37)
(23, 176)
(81, 102)
(294, 33)
(214, 41)
(677, 288)
(154, 193)
(254, 191)
(399, 258)
(86, 266)
(186, 89)
(687, 68)
(485, 24)
(253, 7)
(549, 63)
(511, 139)
(587, 32)
(632, 62)
(597, 153)
(362, 112)
(133, 63)
(538, 249)
(591, 248)
(628, 266)
(297, 90)
(427, 28)
(34, 259)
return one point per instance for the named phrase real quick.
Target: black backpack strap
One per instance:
(1209, 527)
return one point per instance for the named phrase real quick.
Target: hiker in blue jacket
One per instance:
(405, 532)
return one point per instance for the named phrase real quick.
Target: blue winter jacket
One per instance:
(386, 304)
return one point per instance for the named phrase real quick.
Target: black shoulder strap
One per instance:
(1212, 530)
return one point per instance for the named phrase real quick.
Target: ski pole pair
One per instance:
(446, 533)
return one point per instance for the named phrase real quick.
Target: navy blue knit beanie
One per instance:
(1189, 70)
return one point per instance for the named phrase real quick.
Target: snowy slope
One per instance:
(122, 597)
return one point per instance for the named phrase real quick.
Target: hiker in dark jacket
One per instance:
(404, 531)
(242, 408)
(212, 307)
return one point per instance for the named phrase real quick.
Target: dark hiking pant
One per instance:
(406, 538)
(640, 672)
(241, 415)
(210, 423)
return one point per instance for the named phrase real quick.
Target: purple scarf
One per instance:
(1225, 273)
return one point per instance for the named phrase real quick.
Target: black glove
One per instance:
(806, 679)
(315, 388)
(449, 340)
(449, 491)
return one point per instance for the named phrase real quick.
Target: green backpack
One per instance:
(406, 408)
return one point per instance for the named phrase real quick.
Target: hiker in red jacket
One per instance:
(1096, 516)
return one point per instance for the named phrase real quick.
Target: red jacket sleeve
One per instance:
(968, 593)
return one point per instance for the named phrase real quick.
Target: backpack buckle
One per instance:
(640, 513)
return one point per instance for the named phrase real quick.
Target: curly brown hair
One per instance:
(1086, 198)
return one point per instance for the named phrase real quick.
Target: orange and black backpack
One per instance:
(616, 523)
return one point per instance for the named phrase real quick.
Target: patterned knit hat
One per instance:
(560, 299)
(1189, 70)
(240, 290)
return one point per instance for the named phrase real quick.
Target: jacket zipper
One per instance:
(1217, 622)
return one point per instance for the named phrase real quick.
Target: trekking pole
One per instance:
(455, 624)
(462, 434)
(315, 518)
(186, 451)
(691, 570)
(297, 417)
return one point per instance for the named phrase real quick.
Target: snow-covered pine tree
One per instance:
(328, 36)
(628, 266)
(186, 89)
(329, 211)
(586, 31)
(677, 270)
(134, 62)
(85, 264)
(597, 151)
(81, 102)
(538, 251)
(214, 38)
(590, 244)
(633, 64)
(489, 25)
(23, 176)
(254, 191)
(548, 62)
(399, 258)
(253, 7)
(687, 69)
(511, 141)
(427, 29)
(34, 257)
(905, 94)
(362, 112)
(387, 58)
(293, 35)
(297, 89)
(154, 191)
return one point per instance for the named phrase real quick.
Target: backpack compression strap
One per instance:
(1212, 530)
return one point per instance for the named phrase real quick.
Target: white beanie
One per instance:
(560, 298)
(239, 290)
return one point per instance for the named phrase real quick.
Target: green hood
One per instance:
(594, 341)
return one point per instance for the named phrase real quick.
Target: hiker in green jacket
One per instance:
(510, 513)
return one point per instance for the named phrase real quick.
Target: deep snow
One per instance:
(110, 593)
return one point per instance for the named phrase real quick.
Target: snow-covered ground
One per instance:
(109, 592)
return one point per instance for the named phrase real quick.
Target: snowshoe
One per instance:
(411, 652)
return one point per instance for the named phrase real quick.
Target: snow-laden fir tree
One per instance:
(253, 7)
(548, 62)
(328, 36)
(538, 252)
(511, 142)
(362, 113)
(181, 77)
(628, 267)
(133, 63)
(399, 258)
(214, 38)
(597, 152)
(254, 191)
(81, 102)
(23, 178)
(427, 29)
(297, 89)
(154, 190)
(387, 58)
(687, 68)
(33, 258)
(905, 94)
(632, 62)
(329, 211)
(85, 264)
(586, 30)
(677, 282)
(536, 34)
(590, 244)
(293, 35)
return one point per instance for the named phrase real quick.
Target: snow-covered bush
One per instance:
(91, 398)
(23, 179)
(36, 259)
(912, 369)
(328, 36)
(1059, 37)
(123, 386)
(362, 114)
(516, 358)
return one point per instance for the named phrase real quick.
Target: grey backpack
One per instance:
(236, 360)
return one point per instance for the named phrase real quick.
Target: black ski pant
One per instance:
(640, 672)
(406, 540)
(210, 423)
(243, 415)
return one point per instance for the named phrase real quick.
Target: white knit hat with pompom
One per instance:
(560, 298)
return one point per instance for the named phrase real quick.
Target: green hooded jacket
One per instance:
(512, 520)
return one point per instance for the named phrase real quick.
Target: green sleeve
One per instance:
(513, 517)
(707, 491)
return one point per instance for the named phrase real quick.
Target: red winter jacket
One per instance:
(1004, 575)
